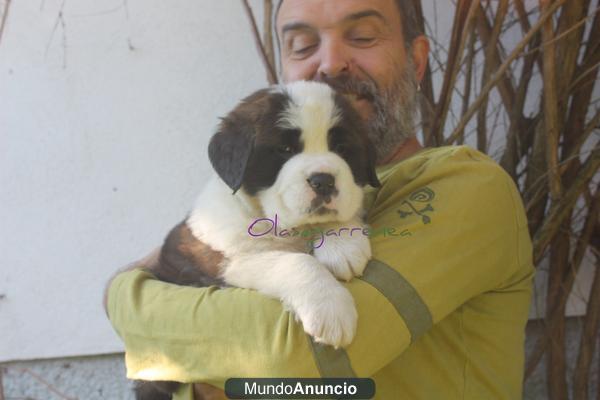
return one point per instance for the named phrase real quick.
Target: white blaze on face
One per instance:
(313, 111)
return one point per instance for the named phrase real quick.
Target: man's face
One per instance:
(357, 47)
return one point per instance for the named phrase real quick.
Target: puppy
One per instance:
(289, 160)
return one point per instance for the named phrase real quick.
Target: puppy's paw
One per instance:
(329, 316)
(344, 256)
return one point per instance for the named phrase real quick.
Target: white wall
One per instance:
(105, 115)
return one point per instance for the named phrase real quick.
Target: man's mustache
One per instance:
(366, 89)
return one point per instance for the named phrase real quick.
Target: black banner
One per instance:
(305, 388)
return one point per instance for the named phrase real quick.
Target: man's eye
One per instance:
(303, 50)
(363, 40)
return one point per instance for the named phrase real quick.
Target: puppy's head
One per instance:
(301, 149)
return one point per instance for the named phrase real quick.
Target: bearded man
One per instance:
(442, 308)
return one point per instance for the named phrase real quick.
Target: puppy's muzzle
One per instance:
(322, 184)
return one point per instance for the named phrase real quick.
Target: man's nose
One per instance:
(334, 60)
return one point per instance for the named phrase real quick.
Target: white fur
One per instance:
(280, 266)
(345, 255)
(314, 111)
(325, 307)
(291, 196)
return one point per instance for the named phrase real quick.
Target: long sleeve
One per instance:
(447, 229)
(203, 334)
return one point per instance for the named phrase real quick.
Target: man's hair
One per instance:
(408, 18)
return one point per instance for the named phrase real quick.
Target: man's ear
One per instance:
(230, 149)
(420, 55)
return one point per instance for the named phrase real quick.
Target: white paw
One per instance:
(344, 256)
(329, 315)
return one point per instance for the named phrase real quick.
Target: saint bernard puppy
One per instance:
(297, 154)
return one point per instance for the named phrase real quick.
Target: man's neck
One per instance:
(406, 149)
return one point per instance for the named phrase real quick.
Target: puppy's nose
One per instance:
(323, 184)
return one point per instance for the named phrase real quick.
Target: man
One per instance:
(443, 304)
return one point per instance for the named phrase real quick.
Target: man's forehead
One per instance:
(317, 12)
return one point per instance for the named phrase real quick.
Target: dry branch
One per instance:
(271, 75)
(490, 36)
(502, 69)
(463, 20)
(551, 124)
(4, 18)
(592, 320)
(470, 60)
(559, 211)
(267, 32)
(585, 238)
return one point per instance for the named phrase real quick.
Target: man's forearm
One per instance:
(188, 334)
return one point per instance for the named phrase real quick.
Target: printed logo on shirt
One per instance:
(418, 203)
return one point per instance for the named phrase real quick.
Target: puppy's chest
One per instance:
(258, 241)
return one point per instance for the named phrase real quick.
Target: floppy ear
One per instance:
(371, 157)
(229, 150)
(231, 147)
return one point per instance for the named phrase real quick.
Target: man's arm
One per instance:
(459, 232)
(147, 262)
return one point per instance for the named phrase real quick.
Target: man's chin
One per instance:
(365, 109)
(362, 105)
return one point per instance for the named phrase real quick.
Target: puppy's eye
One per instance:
(285, 149)
(340, 148)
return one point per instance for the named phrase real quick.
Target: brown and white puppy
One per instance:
(299, 153)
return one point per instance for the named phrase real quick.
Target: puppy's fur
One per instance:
(298, 152)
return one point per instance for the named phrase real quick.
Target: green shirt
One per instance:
(442, 305)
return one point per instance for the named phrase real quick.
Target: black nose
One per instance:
(322, 184)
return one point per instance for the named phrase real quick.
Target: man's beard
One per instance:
(394, 108)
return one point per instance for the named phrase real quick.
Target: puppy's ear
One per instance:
(230, 149)
(371, 158)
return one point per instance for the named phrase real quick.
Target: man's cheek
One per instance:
(304, 70)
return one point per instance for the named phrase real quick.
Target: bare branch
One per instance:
(463, 20)
(588, 339)
(271, 75)
(498, 75)
(470, 60)
(268, 32)
(560, 209)
(587, 233)
(550, 105)
(4, 17)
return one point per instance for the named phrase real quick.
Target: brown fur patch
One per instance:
(202, 255)
(185, 260)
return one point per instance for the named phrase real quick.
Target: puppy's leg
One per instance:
(346, 253)
(324, 306)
